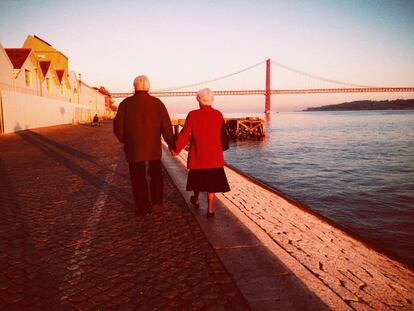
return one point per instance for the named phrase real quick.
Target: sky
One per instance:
(176, 43)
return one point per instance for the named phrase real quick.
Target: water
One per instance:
(355, 168)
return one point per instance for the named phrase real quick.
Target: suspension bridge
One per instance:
(342, 87)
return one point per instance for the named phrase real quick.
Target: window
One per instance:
(28, 78)
(48, 84)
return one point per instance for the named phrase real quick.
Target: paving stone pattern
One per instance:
(361, 277)
(70, 240)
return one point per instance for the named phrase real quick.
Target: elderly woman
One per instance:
(205, 159)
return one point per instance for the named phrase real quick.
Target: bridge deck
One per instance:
(278, 92)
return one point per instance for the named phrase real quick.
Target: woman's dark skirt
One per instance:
(210, 180)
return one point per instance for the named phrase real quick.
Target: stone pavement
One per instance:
(264, 280)
(69, 239)
(342, 271)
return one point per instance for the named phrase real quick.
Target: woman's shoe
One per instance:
(210, 215)
(194, 202)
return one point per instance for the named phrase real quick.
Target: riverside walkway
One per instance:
(69, 239)
(343, 272)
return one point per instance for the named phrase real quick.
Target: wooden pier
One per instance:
(238, 128)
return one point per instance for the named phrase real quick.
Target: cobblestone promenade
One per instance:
(342, 271)
(69, 239)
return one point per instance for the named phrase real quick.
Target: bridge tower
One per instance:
(267, 93)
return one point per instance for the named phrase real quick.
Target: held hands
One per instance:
(173, 153)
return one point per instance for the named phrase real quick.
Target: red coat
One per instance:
(204, 125)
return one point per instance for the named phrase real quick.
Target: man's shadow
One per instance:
(45, 144)
(69, 150)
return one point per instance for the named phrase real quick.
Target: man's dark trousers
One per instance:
(139, 184)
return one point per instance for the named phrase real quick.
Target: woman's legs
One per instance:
(196, 194)
(210, 199)
(194, 199)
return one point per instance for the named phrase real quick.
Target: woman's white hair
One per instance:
(141, 83)
(205, 97)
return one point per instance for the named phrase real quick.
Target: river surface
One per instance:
(355, 168)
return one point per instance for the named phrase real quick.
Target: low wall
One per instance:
(26, 111)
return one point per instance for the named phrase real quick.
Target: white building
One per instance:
(6, 71)
(36, 89)
(26, 73)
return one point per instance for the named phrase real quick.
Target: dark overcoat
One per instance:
(140, 121)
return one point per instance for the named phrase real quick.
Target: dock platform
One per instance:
(238, 128)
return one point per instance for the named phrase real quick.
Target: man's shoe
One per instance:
(157, 207)
(143, 213)
(140, 214)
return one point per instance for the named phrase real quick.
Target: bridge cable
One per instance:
(211, 80)
(318, 77)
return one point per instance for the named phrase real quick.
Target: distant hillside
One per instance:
(367, 105)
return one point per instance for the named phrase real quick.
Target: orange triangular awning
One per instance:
(59, 73)
(17, 56)
(44, 66)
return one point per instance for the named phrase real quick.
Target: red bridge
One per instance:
(267, 92)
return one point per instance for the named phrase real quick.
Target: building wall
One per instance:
(46, 52)
(82, 114)
(6, 71)
(51, 76)
(24, 107)
(20, 81)
(100, 99)
(26, 111)
(67, 91)
(93, 99)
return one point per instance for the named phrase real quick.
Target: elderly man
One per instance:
(139, 123)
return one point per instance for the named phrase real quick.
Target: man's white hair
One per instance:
(141, 83)
(205, 97)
